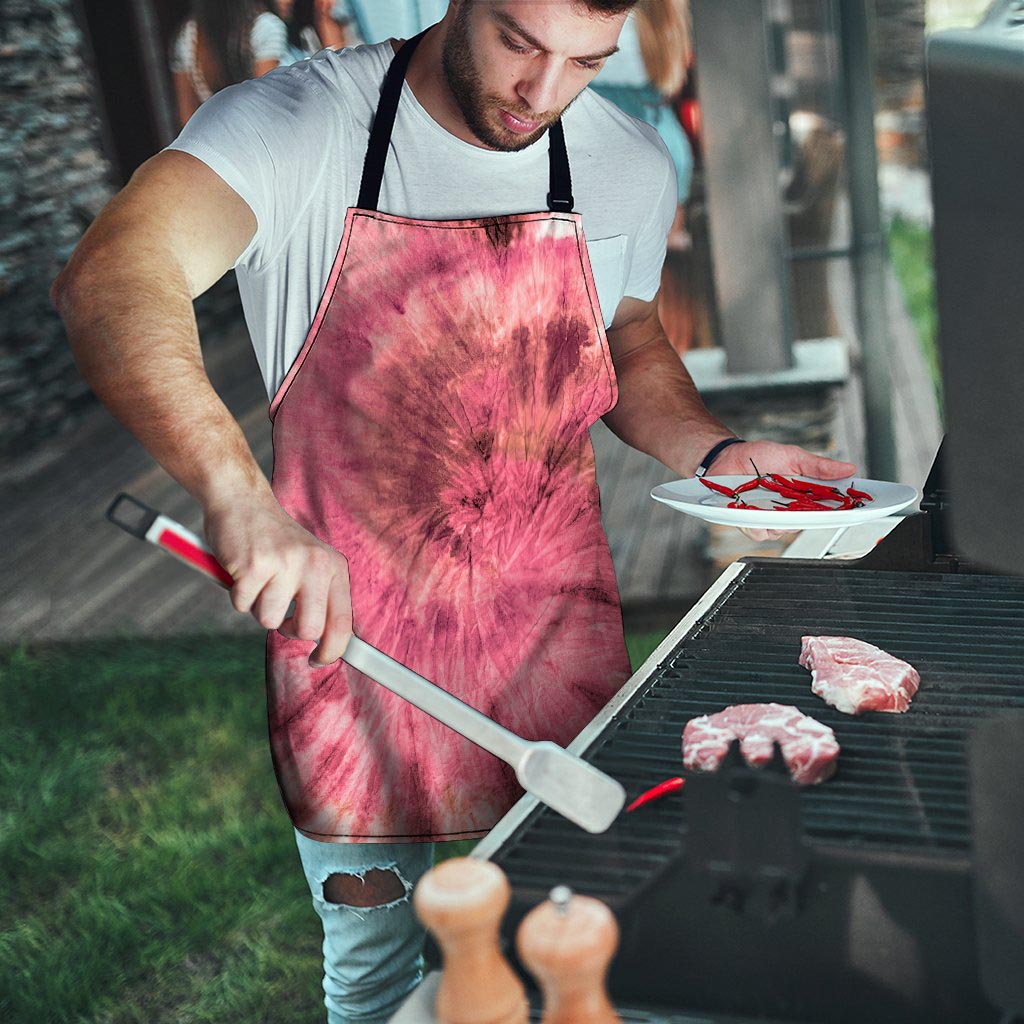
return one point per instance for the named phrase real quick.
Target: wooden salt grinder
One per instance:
(567, 943)
(462, 901)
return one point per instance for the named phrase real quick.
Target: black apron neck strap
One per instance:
(559, 197)
(383, 123)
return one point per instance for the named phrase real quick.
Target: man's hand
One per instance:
(770, 457)
(273, 562)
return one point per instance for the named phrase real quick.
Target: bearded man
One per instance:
(449, 254)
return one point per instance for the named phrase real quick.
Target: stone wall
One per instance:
(54, 178)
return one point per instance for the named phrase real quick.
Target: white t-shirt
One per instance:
(292, 144)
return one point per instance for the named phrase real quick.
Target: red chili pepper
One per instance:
(773, 485)
(806, 505)
(863, 495)
(793, 485)
(750, 485)
(808, 487)
(656, 793)
(788, 492)
(721, 488)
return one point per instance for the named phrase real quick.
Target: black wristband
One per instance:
(705, 463)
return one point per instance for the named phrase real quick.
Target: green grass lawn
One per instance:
(910, 247)
(148, 868)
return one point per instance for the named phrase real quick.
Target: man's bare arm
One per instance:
(660, 411)
(126, 300)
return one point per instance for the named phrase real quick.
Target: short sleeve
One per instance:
(269, 38)
(652, 238)
(181, 51)
(269, 139)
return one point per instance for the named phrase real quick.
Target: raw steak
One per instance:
(809, 748)
(855, 677)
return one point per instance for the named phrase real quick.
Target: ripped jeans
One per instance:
(372, 953)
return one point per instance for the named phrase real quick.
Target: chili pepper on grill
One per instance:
(656, 793)
(720, 488)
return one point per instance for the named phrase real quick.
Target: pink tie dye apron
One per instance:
(434, 430)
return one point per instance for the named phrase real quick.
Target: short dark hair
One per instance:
(609, 6)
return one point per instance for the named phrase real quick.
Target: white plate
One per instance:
(693, 498)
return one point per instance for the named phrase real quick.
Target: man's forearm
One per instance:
(132, 330)
(659, 410)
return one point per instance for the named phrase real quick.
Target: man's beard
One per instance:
(464, 83)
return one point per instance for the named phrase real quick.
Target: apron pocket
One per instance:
(608, 261)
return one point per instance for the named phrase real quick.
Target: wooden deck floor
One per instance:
(72, 575)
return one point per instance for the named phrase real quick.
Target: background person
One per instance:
(314, 24)
(648, 73)
(221, 43)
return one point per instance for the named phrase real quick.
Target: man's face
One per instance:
(513, 66)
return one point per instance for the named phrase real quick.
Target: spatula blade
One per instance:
(567, 784)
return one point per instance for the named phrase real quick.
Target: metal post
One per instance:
(868, 239)
(154, 67)
(748, 236)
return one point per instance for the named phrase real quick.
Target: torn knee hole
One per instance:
(374, 889)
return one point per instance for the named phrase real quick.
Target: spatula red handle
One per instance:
(147, 524)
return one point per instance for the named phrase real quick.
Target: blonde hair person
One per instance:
(666, 43)
(649, 71)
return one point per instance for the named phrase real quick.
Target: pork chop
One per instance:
(855, 677)
(809, 748)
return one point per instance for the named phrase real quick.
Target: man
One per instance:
(431, 327)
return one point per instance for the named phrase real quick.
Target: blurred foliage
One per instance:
(910, 247)
(943, 14)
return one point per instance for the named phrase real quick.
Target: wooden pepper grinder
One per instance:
(567, 942)
(462, 901)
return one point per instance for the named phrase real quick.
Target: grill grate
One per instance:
(902, 779)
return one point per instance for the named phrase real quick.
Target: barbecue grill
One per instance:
(893, 892)
(744, 895)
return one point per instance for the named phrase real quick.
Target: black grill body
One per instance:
(846, 901)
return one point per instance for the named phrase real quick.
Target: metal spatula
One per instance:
(566, 783)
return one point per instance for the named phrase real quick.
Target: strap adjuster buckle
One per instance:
(560, 204)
